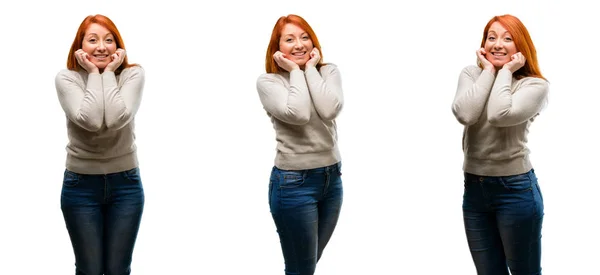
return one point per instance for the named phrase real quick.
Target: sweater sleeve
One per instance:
(508, 109)
(122, 103)
(326, 91)
(471, 96)
(290, 105)
(84, 106)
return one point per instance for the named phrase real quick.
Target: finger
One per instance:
(278, 60)
(481, 53)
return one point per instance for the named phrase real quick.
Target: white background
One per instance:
(206, 146)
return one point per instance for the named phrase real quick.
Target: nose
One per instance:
(499, 44)
(298, 45)
(101, 46)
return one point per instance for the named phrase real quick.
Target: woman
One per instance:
(302, 96)
(102, 196)
(497, 101)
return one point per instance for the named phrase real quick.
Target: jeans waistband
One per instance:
(334, 167)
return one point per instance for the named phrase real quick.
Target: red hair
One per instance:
(270, 64)
(522, 41)
(103, 21)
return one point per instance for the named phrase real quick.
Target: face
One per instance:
(295, 44)
(99, 44)
(499, 45)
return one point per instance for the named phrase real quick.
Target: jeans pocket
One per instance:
(133, 175)
(291, 179)
(537, 186)
(70, 179)
(517, 183)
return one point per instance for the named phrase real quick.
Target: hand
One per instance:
(517, 62)
(117, 60)
(84, 61)
(284, 63)
(315, 57)
(487, 65)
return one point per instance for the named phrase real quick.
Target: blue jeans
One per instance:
(305, 206)
(503, 223)
(102, 214)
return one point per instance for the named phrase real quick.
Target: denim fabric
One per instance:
(503, 223)
(305, 206)
(102, 214)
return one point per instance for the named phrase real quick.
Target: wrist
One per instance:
(492, 70)
(508, 68)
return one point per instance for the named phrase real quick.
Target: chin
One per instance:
(497, 63)
(500, 65)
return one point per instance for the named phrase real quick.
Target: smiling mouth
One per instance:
(299, 54)
(498, 54)
(101, 57)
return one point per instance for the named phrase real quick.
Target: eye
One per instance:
(508, 39)
(109, 40)
(305, 38)
(491, 38)
(92, 40)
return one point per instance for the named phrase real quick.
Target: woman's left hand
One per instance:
(117, 60)
(516, 63)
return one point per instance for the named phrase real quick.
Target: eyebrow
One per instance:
(505, 33)
(93, 33)
(293, 34)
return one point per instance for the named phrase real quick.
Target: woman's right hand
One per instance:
(284, 63)
(487, 65)
(84, 62)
